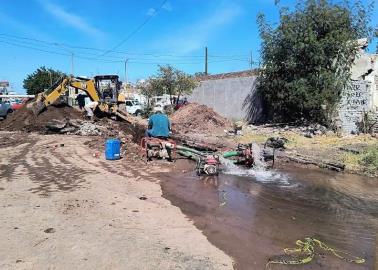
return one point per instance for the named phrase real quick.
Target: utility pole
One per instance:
(251, 61)
(126, 60)
(206, 57)
(72, 63)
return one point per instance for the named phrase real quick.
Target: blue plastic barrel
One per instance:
(112, 149)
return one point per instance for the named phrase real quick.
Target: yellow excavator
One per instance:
(103, 89)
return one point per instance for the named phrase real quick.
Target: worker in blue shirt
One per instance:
(158, 126)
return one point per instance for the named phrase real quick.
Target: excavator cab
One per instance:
(107, 87)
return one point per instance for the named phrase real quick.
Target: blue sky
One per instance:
(177, 33)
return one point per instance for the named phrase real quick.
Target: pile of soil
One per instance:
(196, 118)
(25, 120)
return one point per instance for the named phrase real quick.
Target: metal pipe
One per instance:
(187, 149)
(188, 155)
(17, 96)
(231, 154)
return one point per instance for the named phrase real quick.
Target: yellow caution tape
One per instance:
(305, 252)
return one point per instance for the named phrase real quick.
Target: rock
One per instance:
(329, 133)
(318, 132)
(56, 125)
(49, 230)
(323, 129)
(238, 125)
(75, 122)
(276, 142)
(68, 130)
(308, 135)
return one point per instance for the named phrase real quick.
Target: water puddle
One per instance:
(252, 214)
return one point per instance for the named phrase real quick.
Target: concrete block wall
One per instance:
(355, 101)
(225, 96)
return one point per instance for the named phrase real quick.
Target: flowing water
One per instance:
(252, 214)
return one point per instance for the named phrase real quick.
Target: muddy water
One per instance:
(253, 217)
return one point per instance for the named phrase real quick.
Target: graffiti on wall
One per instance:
(355, 101)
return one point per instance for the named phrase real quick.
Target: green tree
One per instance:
(148, 88)
(306, 59)
(173, 82)
(185, 84)
(41, 79)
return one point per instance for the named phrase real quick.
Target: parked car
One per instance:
(5, 109)
(18, 104)
(133, 107)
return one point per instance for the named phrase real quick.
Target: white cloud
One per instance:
(167, 6)
(151, 12)
(71, 19)
(197, 34)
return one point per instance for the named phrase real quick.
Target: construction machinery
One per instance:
(158, 148)
(207, 163)
(103, 89)
(246, 155)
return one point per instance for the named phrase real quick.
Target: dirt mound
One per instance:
(25, 120)
(198, 118)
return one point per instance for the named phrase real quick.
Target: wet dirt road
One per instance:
(252, 218)
(61, 207)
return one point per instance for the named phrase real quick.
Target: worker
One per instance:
(81, 99)
(158, 125)
(89, 108)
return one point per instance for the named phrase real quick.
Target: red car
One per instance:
(19, 104)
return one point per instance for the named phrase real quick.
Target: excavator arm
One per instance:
(51, 95)
(93, 89)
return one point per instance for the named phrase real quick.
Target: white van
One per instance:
(133, 107)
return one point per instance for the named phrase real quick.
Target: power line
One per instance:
(91, 56)
(54, 52)
(156, 55)
(136, 29)
(95, 59)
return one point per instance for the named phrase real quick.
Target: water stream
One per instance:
(260, 171)
(252, 214)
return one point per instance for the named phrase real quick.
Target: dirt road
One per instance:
(63, 208)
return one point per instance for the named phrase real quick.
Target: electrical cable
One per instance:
(136, 30)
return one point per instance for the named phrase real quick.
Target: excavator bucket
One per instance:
(37, 105)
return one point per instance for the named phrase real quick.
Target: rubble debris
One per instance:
(198, 118)
(313, 130)
(88, 129)
(276, 142)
